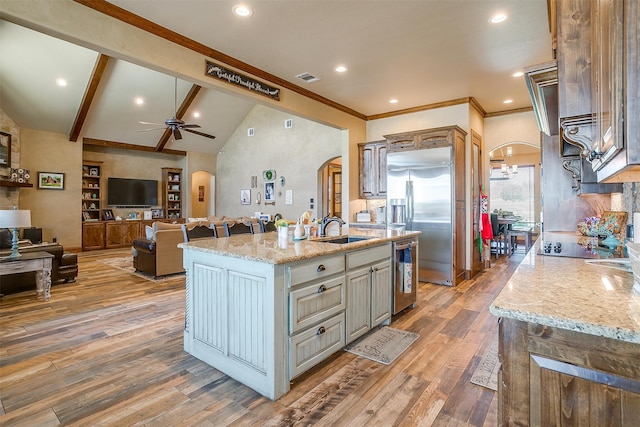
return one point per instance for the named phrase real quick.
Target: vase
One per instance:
(283, 236)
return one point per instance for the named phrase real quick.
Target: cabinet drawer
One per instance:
(315, 269)
(315, 344)
(313, 303)
(367, 256)
(400, 143)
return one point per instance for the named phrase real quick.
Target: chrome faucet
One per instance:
(325, 221)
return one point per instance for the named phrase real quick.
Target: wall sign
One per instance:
(230, 76)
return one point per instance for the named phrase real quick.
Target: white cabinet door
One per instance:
(358, 303)
(381, 293)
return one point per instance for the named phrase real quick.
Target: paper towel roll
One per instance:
(636, 227)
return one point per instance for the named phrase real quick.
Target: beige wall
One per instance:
(58, 212)
(296, 153)
(10, 196)
(199, 208)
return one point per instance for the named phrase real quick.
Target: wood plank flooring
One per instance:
(107, 350)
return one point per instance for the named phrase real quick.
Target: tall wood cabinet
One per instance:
(373, 169)
(172, 184)
(91, 190)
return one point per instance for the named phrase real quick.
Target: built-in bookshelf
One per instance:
(91, 195)
(172, 192)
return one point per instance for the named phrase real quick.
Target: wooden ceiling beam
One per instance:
(89, 95)
(186, 103)
(153, 28)
(125, 146)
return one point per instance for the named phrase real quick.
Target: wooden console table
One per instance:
(40, 262)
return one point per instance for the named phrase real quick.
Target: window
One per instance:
(514, 192)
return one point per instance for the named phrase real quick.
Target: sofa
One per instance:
(158, 253)
(64, 266)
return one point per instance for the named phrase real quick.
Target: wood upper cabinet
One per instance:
(617, 90)
(574, 58)
(373, 170)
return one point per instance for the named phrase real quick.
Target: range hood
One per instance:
(542, 82)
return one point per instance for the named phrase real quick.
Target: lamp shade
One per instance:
(13, 218)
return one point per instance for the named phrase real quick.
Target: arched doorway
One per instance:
(203, 200)
(330, 188)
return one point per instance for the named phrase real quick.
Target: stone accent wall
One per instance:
(10, 196)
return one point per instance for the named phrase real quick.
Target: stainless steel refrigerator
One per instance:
(420, 197)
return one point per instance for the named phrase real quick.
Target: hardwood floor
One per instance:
(107, 350)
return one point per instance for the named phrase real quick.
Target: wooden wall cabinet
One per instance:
(172, 184)
(617, 95)
(373, 169)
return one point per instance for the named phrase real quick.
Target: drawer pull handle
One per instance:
(321, 330)
(321, 268)
(321, 289)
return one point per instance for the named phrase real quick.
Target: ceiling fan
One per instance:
(175, 124)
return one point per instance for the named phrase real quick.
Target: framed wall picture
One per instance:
(245, 197)
(5, 149)
(270, 193)
(107, 215)
(50, 181)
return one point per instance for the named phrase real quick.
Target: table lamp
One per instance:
(14, 219)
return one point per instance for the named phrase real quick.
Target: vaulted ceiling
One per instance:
(419, 52)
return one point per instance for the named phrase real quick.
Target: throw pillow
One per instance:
(148, 231)
(5, 238)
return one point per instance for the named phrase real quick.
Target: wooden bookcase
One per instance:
(172, 184)
(91, 186)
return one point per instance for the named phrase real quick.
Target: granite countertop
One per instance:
(571, 294)
(264, 247)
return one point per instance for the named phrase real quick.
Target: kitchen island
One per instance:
(263, 311)
(569, 342)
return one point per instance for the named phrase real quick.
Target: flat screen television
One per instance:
(132, 192)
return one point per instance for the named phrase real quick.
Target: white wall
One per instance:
(296, 153)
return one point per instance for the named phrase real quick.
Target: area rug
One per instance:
(486, 373)
(126, 264)
(383, 345)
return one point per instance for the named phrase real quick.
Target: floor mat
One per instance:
(383, 345)
(486, 373)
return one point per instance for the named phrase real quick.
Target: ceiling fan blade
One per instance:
(150, 123)
(146, 130)
(189, 126)
(176, 134)
(199, 133)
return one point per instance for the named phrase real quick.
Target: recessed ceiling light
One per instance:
(196, 114)
(139, 101)
(242, 10)
(507, 101)
(518, 74)
(61, 82)
(393, 101)
(498, 17)
(340, 69)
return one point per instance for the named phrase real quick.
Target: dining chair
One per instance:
(237, 228)
(197, 232)
(497, 241)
